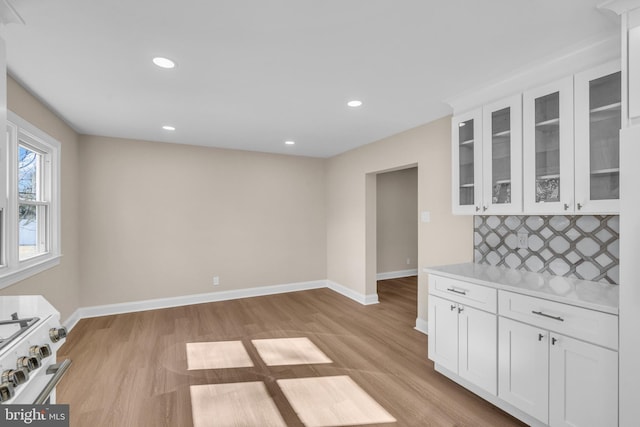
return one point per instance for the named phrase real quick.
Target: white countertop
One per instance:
(582, 293)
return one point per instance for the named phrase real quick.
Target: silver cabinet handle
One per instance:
(453, 307)
(460, 309)
(457, 291)
(540, 336)
(554, 341)
(539, 313)
(580, 206)
(484, 209)
(477, 208)
(58, 372)
(566, 207)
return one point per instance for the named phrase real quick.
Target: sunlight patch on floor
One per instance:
(332, 401)
(217, 355)
(237, 404)
(289, 351)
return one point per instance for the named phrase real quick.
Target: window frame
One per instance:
(20, 132)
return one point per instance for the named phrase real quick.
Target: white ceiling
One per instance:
(254, 73)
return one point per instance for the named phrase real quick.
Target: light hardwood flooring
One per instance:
(131, 369)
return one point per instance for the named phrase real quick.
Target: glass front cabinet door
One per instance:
(467, 162)
(548, 148)
(598, 119)
(502, 156)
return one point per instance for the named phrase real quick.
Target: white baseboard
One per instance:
(422, 326)
(72, 320)
(154, 304)
(350, 293)
(397, 274)
(158, 303)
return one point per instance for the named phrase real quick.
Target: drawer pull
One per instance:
(539, 313)
(453, 307)
(457, 291)
(540, 336)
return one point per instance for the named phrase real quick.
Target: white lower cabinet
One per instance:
(524, 367)
(583, 384)
(545, 362)
(463, 340)
(559, 380)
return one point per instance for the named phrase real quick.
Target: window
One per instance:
(29, 202)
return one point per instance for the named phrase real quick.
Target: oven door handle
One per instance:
(58, 370)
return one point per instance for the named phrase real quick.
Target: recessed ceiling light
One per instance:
(167, 127)
(290, 142)
(355, 103)
(163, 62)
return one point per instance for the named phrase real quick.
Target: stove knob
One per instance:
(42, 351)
(30, 363)
(6, 392)
(15, 376)
(56, 334)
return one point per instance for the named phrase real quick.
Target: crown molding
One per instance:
(8, 14)
(543, 71)
(620, 6)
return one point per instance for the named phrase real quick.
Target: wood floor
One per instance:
(131, 369)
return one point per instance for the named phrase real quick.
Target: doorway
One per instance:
(392, 229)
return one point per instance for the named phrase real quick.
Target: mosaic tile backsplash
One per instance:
(586, 247)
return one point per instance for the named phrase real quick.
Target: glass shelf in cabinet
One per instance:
(608, 107)
(467, 142)
(467, 185)
(609, 171)
(501, 181)
(502, 133)
(605, 116)
(606, 112)
(551, 122)
(548, 176)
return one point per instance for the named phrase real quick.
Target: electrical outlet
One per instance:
(216, 280)
(523, 240)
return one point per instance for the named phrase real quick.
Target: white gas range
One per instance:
(30, 335)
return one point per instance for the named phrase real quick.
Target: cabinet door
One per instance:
(583, 389)
(467, 162)
(443, 333)
(598, 118)
(502, 156)
(548, 148)
(523, 373)
(478, 350)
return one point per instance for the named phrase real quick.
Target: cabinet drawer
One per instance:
(481, 297)
(584, 324)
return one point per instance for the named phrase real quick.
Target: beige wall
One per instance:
(59, 285)
(397, 220)
(446, 239)
(160, 220)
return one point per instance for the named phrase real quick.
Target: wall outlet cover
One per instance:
(523, 240)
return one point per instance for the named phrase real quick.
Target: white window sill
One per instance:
(8, 278)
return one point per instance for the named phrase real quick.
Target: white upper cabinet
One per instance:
(548, 148)
(553, 150)
(502, 156)
(467, 162)
(598, 119)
